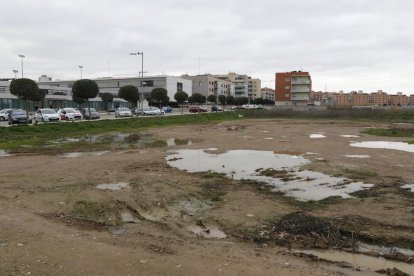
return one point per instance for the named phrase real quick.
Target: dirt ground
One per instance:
(54, 221)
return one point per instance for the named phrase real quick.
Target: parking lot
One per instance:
(111, 115)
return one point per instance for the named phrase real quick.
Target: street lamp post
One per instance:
(81, 68)
(15, 71)
(22, 57)
(142, 76)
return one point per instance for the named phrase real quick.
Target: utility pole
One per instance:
(22, 57)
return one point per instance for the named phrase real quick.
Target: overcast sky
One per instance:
(345, 44)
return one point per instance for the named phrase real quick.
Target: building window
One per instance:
(287, 79)
(179, 86)
(2, 89)
(287, 87)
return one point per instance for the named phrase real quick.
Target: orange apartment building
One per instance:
(359, 98)
(293, 88)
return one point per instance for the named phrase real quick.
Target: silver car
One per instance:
(46, 115)
(123, 112)
(4, 114)
(70, 114)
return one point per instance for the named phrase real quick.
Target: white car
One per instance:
(4, 114)
(123, 112)
(45, 115)
(70, 114)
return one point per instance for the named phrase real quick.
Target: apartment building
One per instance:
(245, 86)
(207, 85)
(379, 98)
(293, 88)
(358, 98)
(268, 94)
(399, 99)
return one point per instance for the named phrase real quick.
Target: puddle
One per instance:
(409, 186)
(361, 262)
(4, 153)
(350, 136)
(268, 138)
(317, 136)
(357, 156)
(207, 232)
(135, 140)
(113, 186)
(278, 170)
(383, 250)
(401, 146)
(83, 154)
(311, 153)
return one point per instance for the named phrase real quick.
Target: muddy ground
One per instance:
(54, 221)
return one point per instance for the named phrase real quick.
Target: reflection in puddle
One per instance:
(113, 186)
(317, 136)
(4, 153)
(135, 140)
(385, 145)
(360, 261)
(83, 154)
(409, 186)
(350, 136)
(357, 156)
(278, 170)
(207, 232)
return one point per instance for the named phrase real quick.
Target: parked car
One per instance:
(216, 108)
(123, 112)
(197, 109)
(4, 114)
(46, 115)
(93, 115)
(166, 109)
(18, 116)
(70, 114)
(147, 111)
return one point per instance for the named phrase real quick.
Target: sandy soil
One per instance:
(54, 221)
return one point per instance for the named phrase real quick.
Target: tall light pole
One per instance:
(22, 57)
(142, 76)
(15, 71)
(81, 68)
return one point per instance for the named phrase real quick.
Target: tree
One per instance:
(160, 95)
(222, 99)
(211, 98)
(230, 100)
(26, 89)
(241, 100)
(181, 97)
(129, 93)
(191, 99)
(269, 102)
(107, 98)
(84, 89)
(198, 98)
(259, 101)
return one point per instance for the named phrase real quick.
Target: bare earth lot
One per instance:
(54, 220)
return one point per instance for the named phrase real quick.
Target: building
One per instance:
(267, 94)
(207, 85)
(293, 88)
(245, 86)
(380, 98)
(58, 93)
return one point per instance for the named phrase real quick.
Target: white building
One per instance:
(59, 92)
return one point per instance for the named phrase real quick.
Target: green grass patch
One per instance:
(359, 174)
(15, 138)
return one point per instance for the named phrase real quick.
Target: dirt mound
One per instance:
(301, 230)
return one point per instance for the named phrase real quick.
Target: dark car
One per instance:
(93, 115)
(18, 116)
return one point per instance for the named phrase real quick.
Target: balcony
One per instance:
(300, 98)
(300, 90)
(298, 80)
